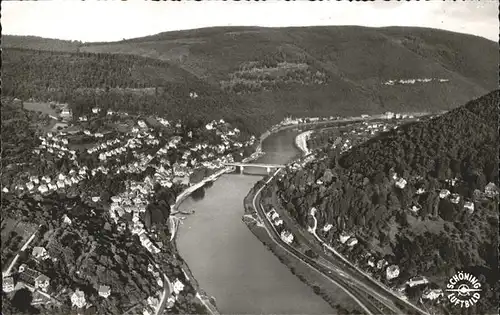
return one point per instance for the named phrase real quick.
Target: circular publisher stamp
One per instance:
(463, 289)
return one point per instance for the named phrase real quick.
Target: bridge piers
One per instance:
(241, 166)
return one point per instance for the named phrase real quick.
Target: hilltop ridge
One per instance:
(269, 73)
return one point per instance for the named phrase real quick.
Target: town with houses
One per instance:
(172, 154)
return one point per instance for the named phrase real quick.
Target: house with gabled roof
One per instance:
(39, 252)
(104, 291)
(7, 284)
(42, 282)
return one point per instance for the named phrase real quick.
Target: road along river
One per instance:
(228, 261)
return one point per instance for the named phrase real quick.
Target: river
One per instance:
(228, 261)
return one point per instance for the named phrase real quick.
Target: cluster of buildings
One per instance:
(413, 81)
(348, 239)
(105, 145)
(46, 184)
(287, 121)
(134, 201)
(27, 278)
(93, 134)
(190, 155)
(285, 235)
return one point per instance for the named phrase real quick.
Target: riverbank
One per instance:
(301, 142)
(205, 299)
(208, 301)
(188, 191)
(332, 294)
(209, 257)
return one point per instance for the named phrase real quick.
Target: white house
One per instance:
(381, 263)
(153, 301)
(66, 113)
(78, 299)
(30, 186)
(274, 216)
(159, 281)
(327, 227)
(420, 191)
(344, 237)
(39, 252)
(469, 206)
(392, 272)
(8, 284)
(444, 193)
(170, 302)
(432, 294)
(42, 282)
(352, 241)
(278, 222)
(389, 115)
(491, 190)
(287, 236)
(401, 183)
(66, 219)
(415, 208)
(417, 281)
(104, 291)
(371, 262)
(178, 286)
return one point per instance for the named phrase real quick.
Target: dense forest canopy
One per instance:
(265, 73)
(120, 82)
(361, 192)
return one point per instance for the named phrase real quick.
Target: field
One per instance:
(40, 107)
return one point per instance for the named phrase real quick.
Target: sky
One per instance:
(92, 21)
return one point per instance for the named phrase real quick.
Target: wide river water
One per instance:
(228, 261)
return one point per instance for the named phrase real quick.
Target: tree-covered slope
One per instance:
(412, 225)
(305, 71)
(120, 82)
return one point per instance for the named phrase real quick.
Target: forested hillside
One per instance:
(120, 82)
(269, 73)
(416, 196)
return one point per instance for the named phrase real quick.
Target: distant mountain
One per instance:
(412, 223)
(341, 70)
(40, 43)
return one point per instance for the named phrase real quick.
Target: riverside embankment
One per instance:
(301, 141)
(227, 260)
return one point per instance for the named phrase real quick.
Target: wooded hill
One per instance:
(260, 75)
(357, 193)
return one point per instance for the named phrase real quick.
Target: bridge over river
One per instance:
(268, 167)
